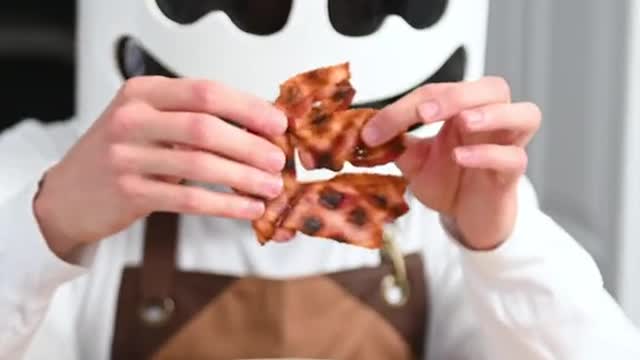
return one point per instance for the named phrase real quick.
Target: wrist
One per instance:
(484, 242)
(47, 214)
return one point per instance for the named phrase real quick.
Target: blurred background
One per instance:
(577, 59)
(36, 59)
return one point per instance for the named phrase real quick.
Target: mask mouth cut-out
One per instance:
(134, 60)
(248, 15)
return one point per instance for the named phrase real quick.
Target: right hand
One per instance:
(156, 132)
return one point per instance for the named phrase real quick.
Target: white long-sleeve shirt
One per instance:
(538, 296)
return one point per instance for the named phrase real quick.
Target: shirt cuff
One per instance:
(537, 246)
(36, 268)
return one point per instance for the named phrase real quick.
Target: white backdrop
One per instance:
(579, 60)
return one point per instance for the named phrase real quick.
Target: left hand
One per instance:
(469, 171)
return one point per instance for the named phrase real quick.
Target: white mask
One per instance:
(256, 50)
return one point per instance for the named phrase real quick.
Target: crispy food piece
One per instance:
(327, 87)
(264, 227)
(328, 140)
(323, 128)
(350, 208)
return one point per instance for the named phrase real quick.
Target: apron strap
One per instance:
(158, 267)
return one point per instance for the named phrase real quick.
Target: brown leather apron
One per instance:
(164, 313)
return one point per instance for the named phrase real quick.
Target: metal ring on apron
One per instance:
(395, 287)
(156, 312)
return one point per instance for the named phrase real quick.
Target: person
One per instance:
(106, 253)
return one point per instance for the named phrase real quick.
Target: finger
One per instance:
(306, 159)
(212, 134)
(192, 95)
(175, 179)
(431, 103)
(282, 235)
(196, 166)
(520, 119)
(505, 159)
(167, 197)
(416, 153)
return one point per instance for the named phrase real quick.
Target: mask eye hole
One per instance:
(422, 14)
(133, 60)
(356, 17)
(183, 12)
(259, 17)
(364, 17)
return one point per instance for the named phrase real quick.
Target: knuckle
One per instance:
(455, 97)
(484, 152)
(134, 193)
(198, 129)
(501, 85)
(153, 78)
(119, 159)
(427, 91)
(535, 111)
(244, 149)
(206, 93)
(128, 187)
(131, 88)
(252, 180)
(139, 199)
(253, 149)
(522, 160)
(236, 177)
(460, 122)
(258, 115)
(257, 105)
(235, 208)
(190, 201)
(197, 163)
(123, 121)
(122, 184)
(136, 86)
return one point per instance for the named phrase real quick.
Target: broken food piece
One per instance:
(350, 208)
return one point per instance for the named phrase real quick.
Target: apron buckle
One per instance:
(395, 287)
(156, 312)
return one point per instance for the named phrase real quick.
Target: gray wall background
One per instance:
(571, 57)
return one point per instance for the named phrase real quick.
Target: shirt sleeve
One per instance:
(30, 273)
(539, 295)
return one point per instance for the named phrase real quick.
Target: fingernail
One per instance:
(255, 209)
(371, 135)
(276, 161)
(429, 110)
(473, 119)
(463, 155)
(273, 186)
